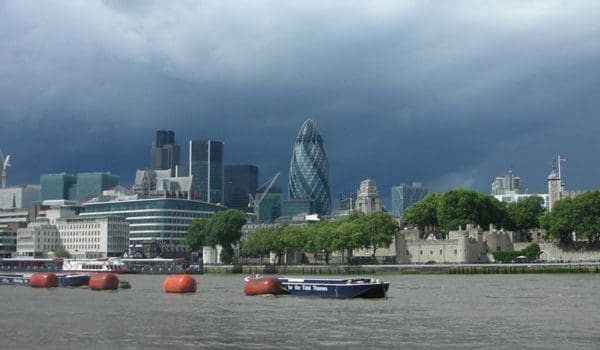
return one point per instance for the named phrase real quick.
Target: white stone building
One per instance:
(82, 237)
(367, 198)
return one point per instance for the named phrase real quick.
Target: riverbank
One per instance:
(461, 269)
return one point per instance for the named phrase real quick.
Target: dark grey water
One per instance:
(421, 311)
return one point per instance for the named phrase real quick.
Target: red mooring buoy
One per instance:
(103, 281)
(43, 280)
(179, 284)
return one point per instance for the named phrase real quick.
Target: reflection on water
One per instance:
(427, 311)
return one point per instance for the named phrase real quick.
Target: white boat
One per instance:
(95, 265)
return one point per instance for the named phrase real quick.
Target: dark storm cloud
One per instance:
(447, 93)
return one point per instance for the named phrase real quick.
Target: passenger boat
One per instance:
(95, 265)
(64, 280)
(256, 285)
(340, 288)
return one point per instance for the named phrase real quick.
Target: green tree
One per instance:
(579, 215)
(381, 230)
(424, 212)
(62, 253)
(459, 207)
(223, 228)
(196, 237)
(524, 214)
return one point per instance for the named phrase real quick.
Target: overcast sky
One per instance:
(447, 93)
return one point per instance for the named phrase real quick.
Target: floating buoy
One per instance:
(101, 281)
(43, 280)
(263, 285)
(179, 284)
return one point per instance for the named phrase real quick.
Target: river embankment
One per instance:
(516, 268)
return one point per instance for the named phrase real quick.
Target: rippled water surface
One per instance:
(421, 311)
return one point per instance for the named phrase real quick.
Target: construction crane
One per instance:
(258, 198)
(5, 164)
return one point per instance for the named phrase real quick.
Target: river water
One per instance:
(421, 312)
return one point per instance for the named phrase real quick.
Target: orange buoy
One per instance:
(101, 281)
(43, 280)
(262, 285)
(179, 284)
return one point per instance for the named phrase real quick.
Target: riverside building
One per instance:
(161, 220)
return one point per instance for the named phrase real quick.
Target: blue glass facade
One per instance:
(206, 167)
(165, 220)
(404, 196)
(309, 169)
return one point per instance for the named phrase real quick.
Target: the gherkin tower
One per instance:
(309, 169)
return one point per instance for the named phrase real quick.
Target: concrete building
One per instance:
(82, 237)
(404, 196)
(367, 198)
(309, 169)
(206, 168)
(164, 153)
(241, 181)
(19, 196)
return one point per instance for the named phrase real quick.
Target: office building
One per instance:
(309, 169)
(404, 196)
(80, 187)
(19, 196)
(296, 206)
(206, 168)
(150, 183)
(90, 185)
(165, 154)
(508, 184)
(58, 186)
(163, 220)
(241, 182)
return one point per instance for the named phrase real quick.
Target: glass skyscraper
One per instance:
(404, 196)
(309, 169)
(240, 182)
(164, 154)
(206, 167)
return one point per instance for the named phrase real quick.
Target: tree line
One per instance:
(355, 231)
(449, 210)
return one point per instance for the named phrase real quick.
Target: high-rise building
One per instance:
(206, 167)
(404, 196)
(165, 154)
(309, 169)
(240, 182)
(508, 184)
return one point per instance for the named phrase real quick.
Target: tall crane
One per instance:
(257, 199)
(5, 164)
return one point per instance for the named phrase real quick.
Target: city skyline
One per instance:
(398, 96)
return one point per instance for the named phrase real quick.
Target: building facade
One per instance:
(309, 169)
(80, 187)
(241, 181)
(164, 220)
(404, 196)
(164, 153)
(508, 184)
(367, 198)
(206, 168)
(19, 196)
